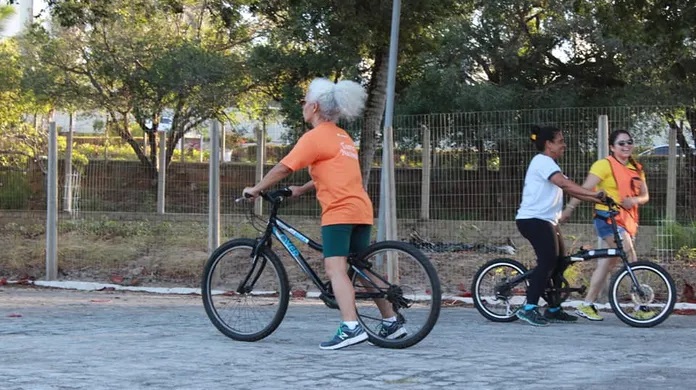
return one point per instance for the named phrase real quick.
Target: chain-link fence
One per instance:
(465, 192)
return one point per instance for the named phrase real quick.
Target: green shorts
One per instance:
(343, 239)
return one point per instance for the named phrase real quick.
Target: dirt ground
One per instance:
(173, 253)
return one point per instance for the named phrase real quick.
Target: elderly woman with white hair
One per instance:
(347, 212)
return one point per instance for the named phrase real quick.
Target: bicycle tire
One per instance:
(416, 297)
(232, 312)
(494, 304)
(658, 303)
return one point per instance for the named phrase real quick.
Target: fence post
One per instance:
(68, 193)
(425, 179)
(162, 171)
(52, 204)
(222, 142)
(214, 188)
(671, 211)
(602, 148)
(260, 159)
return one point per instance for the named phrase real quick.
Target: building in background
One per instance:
(26, 12)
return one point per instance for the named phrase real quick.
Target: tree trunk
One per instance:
(122, 126)
(374, 110)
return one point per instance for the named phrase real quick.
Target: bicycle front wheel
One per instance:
(245, 299)
(647, 304)
(499, 290)
(393, 276)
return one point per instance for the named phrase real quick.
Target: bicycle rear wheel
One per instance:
(403, 279)
(250, 312)
(649, 306)
(495, 297)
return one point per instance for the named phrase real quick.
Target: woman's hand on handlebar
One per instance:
(604, 199)
(602, 196)
(251, 193)
(296, 191)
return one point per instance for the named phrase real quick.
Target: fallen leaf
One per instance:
(299, 293)
(116, 279)
(465, 294)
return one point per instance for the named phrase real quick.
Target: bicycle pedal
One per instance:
(328, 301)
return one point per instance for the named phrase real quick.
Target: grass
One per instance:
(172, 252)
(94, 250)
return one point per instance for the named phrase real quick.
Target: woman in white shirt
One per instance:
(538, 216)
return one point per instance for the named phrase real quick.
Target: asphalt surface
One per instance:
(57, 339)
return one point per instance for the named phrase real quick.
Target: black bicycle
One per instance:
(246, 291)
(642, 294)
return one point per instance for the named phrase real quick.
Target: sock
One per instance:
(588, 303)
(389, 321)
(351, 324)
(529, 306)
(554, 309)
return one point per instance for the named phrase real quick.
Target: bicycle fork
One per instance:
(258, 263)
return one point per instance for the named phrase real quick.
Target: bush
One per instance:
(14, 190)
(683, 236)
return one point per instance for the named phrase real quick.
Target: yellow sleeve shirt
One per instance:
(602, 169)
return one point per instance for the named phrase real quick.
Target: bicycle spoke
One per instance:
(244, 303)
(495, 296)
(647, 304)
(408, 288)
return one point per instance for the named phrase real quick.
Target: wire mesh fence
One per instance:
(474, 172)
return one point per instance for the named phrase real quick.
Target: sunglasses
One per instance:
(624, 143)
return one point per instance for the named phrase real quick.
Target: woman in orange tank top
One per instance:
(347, 212)
(621, 177)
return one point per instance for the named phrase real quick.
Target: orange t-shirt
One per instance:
(330, 154)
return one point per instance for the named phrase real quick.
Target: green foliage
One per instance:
(683, 237)
(141, 59)
(19, 142)
(5, 13)
(14, 190)
(686, 254)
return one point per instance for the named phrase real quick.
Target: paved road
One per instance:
(56, 339)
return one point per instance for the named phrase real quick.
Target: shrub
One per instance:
(14, 190)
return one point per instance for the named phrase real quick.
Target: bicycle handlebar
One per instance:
(277, 195)
(607, 201)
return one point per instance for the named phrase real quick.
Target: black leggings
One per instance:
(547, 241)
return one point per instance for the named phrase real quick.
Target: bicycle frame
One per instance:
(587, 254)
(613, 252)
(278, 228)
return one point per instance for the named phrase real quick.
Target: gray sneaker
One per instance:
(560, 316)
(345, 337)
(532, 317)
(393, 331)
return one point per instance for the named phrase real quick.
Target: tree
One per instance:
(520, 54)
(139, 59)
(19, 141)
(338, 39)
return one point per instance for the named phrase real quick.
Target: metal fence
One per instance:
(468, 192)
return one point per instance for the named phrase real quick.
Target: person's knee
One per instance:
(335, 266)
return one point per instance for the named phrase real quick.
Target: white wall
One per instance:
(24, 12)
